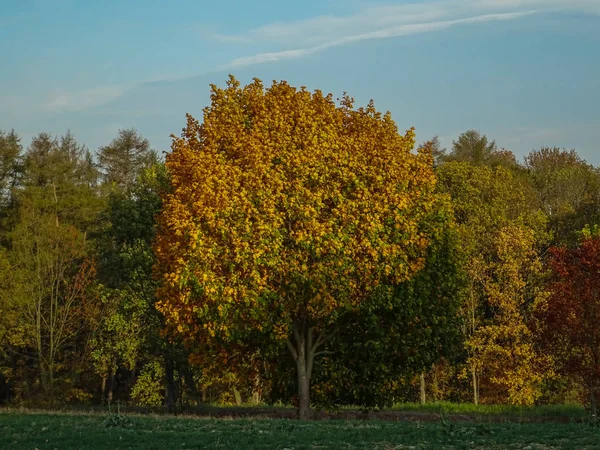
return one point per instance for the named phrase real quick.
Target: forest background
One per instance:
(493, 295)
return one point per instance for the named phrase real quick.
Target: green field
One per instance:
(45, 431)
(571, 412)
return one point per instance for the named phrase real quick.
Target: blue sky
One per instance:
(524, 72)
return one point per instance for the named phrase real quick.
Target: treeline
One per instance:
(503, 308)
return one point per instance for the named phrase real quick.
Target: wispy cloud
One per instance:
(400, 30)
(586, 6)
(298, 39)
(78, 100)
(306, 37)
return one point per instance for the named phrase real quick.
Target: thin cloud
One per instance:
(303, 38)
(584, 6)
(385, 33)
(78, 100)
(306, 37)
(61, 100)
(325, 28)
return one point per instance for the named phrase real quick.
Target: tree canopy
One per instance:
(286, 210)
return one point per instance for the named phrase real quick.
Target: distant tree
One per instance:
(504, 347)
(472, 147)
(437, 152)
(567, 188)
(56, 204)
(506, 158)
(571, 315)
(11, 336)
(10, 165)
(130, 336)
(14, 337)
(475, 148)
(52, 279)
(487, 200)
(58, 180)
(124, 159)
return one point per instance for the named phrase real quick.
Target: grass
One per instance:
(574, 412)
(45, 431)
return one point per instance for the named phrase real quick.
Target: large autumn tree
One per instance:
(286, 210)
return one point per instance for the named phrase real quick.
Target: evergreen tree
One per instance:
(124, 159)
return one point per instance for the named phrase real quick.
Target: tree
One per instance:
(10, 166)
(486, 200)
(10, 333)
(439, 154)
(59, 181)
(504, 347)
(55, 206)
(52, 278)
(13, 335)
(383, 344)
(571, 314)
(474, 148)
(130, 336)
(286, 211)
(124, 159)
(567, 190)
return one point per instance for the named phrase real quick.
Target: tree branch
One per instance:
(309, 341)
(324, 352)
(321, 339)
(292, 350)
(296, 333)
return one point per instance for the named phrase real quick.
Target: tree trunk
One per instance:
(593, 407)
(190, 384)
(4, 389)
(303, 388)
(170, 388)
(304, 350)
(103, 389)
(475, 386)
(472, 333)
(256, 390)
(43, 377)
(111, 381)
(51, 379)
(132, 376)
(436, 385)
(238, 397)
(422, 388)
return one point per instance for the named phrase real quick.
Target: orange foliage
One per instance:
(286, 205)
